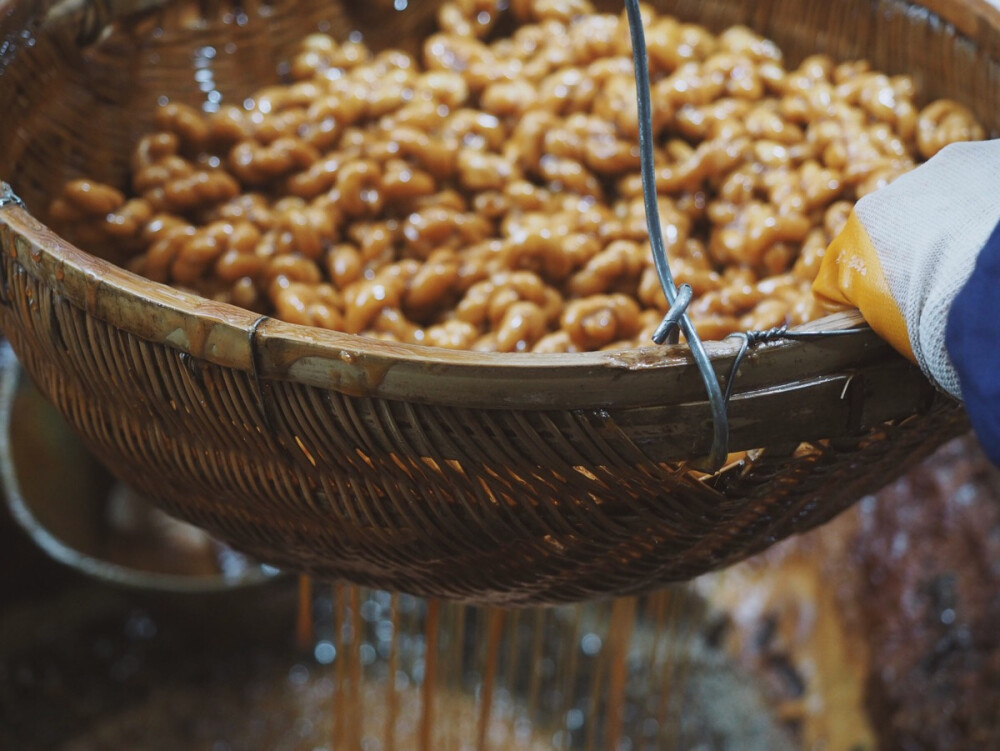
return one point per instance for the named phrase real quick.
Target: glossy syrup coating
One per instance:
(486, 194)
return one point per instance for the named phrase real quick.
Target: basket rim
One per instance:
(648, 376)
(236, 338)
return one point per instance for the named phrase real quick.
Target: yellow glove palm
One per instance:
(909, 248)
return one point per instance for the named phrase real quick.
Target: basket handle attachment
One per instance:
(9, 198)
(677, 319)
(258, 384)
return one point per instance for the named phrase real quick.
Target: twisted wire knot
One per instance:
(669, 330)
(774, 334)
(8, 197)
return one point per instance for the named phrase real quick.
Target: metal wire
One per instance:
(668, 332)
(8, 197)
(255, 374)
(752, 338)
(677, 316)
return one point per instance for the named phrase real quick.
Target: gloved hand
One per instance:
(920, 258)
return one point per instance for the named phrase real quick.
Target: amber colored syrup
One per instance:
(500, 632)
(431, 624)
(304, 637)
(339, 687)
(495, 620)
(391, 699)
(454, 665)
(537, 652)
(623, 613)
(356, 690)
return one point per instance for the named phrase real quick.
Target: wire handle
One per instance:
(752, 338)
(676, 317)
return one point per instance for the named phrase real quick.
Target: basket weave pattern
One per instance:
(513, 506)
(322, 453)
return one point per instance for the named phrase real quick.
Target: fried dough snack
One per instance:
(487, 196)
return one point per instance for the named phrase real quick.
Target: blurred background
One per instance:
(877, 631)
(122, 630)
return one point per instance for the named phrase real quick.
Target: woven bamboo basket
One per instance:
(514, 479)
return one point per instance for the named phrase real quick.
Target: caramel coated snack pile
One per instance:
(487, 195)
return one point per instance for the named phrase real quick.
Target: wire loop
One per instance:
(8, 197)
(677, 317)
(255, 374)
(668, 332)
(752, 338)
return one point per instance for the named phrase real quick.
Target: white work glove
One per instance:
(909, 250)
